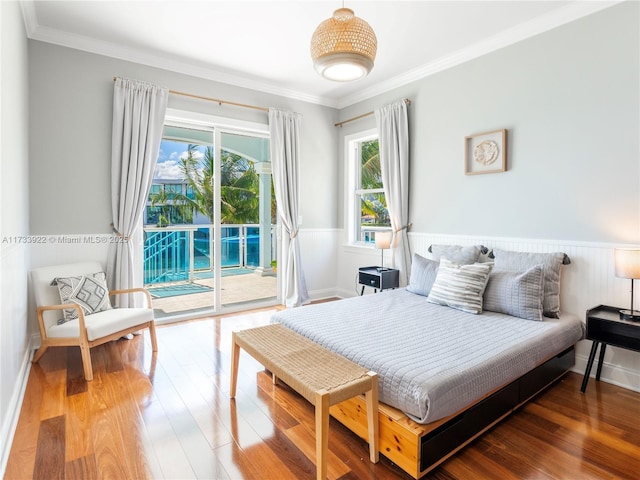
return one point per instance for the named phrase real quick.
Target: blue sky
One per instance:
(169, 159)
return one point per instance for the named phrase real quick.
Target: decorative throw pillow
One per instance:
(89, 291)
(551, 266)
(460, 286)
(516, 294)
(423, 274)
(456, 253)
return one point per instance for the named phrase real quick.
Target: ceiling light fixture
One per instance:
(343, 47)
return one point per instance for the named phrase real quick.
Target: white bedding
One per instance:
(431, 360)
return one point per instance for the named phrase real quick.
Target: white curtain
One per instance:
(284, 128)
(138, 117)
(393, 136)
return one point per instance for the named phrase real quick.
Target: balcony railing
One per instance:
(368, 233)
(179, 253)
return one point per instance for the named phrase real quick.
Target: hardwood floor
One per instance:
(170, 416)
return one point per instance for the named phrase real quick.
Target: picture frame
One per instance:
(485, 152)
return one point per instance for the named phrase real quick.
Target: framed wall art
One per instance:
(485, 152)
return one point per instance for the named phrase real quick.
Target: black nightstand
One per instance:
(379, 278)
(605, 327)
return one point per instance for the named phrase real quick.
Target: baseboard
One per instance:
(613, 374)
(323, 294)
(15, 404)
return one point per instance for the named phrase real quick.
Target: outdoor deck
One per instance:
(236, 289)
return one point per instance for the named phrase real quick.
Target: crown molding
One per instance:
(569, 13)
(564, 15)
(29, 16)
(92, 45)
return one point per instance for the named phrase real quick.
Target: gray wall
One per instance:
(14, 260)
(569, 99)
(71, 96)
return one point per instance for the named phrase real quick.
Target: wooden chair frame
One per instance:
(82, 341)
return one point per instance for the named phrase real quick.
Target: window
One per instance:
(368, 205)
(155, 190)
(173, 190)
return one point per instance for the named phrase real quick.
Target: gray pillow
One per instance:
(89, 291)
(423, 274)
(456, 253)
(460, 286)
(551, 267)
(516, 294)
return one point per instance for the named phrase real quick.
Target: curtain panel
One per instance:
(393, 133)
(138, 118)
(284, 127)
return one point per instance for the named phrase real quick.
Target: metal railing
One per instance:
(181, 252)
(368, 233)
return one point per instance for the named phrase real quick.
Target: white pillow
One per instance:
(460, 286)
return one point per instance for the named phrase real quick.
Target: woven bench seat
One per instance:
(322, 377)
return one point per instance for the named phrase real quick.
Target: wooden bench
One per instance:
(323, 377)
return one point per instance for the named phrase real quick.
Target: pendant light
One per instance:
(343, 47)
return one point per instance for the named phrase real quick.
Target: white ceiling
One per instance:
(264, 45)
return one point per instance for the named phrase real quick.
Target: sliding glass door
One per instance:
(247, 219)
(209, 241)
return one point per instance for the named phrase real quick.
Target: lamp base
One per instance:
(633, 315)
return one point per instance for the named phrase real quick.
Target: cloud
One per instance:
(197, 154)
(168, 170)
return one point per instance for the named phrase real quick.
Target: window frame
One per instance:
(353, 188)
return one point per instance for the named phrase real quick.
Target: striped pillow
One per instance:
(460, 286)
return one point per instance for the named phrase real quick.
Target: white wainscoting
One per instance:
(587, 282)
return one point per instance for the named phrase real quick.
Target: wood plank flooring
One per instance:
(169, 416)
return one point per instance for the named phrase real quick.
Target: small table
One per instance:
(379, 278)
(605, 327)
(321, 376)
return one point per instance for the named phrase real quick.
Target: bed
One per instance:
(445, 375)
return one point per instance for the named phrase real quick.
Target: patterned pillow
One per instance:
(516, 294)
(460, 286)
(89, 291)
(456, 253)
(423, 274)
(551, 267)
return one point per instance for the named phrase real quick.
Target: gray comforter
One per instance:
(431, 360)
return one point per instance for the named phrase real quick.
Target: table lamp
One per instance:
(383, 242)
(628, 266)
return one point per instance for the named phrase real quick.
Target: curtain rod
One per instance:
(339, 124)
(218, 101)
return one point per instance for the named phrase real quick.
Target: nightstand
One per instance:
(605, 327)
(378, 278)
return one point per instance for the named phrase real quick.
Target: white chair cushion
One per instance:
(103, 323)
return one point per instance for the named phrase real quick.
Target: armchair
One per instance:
(87, 330)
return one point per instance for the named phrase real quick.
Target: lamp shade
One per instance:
(627, 262)
(343, 47)
(383, 240)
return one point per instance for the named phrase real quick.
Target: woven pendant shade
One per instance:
(343, 47)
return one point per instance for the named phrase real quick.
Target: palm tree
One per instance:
(373, 204)
(238, 187)
(371, 174)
